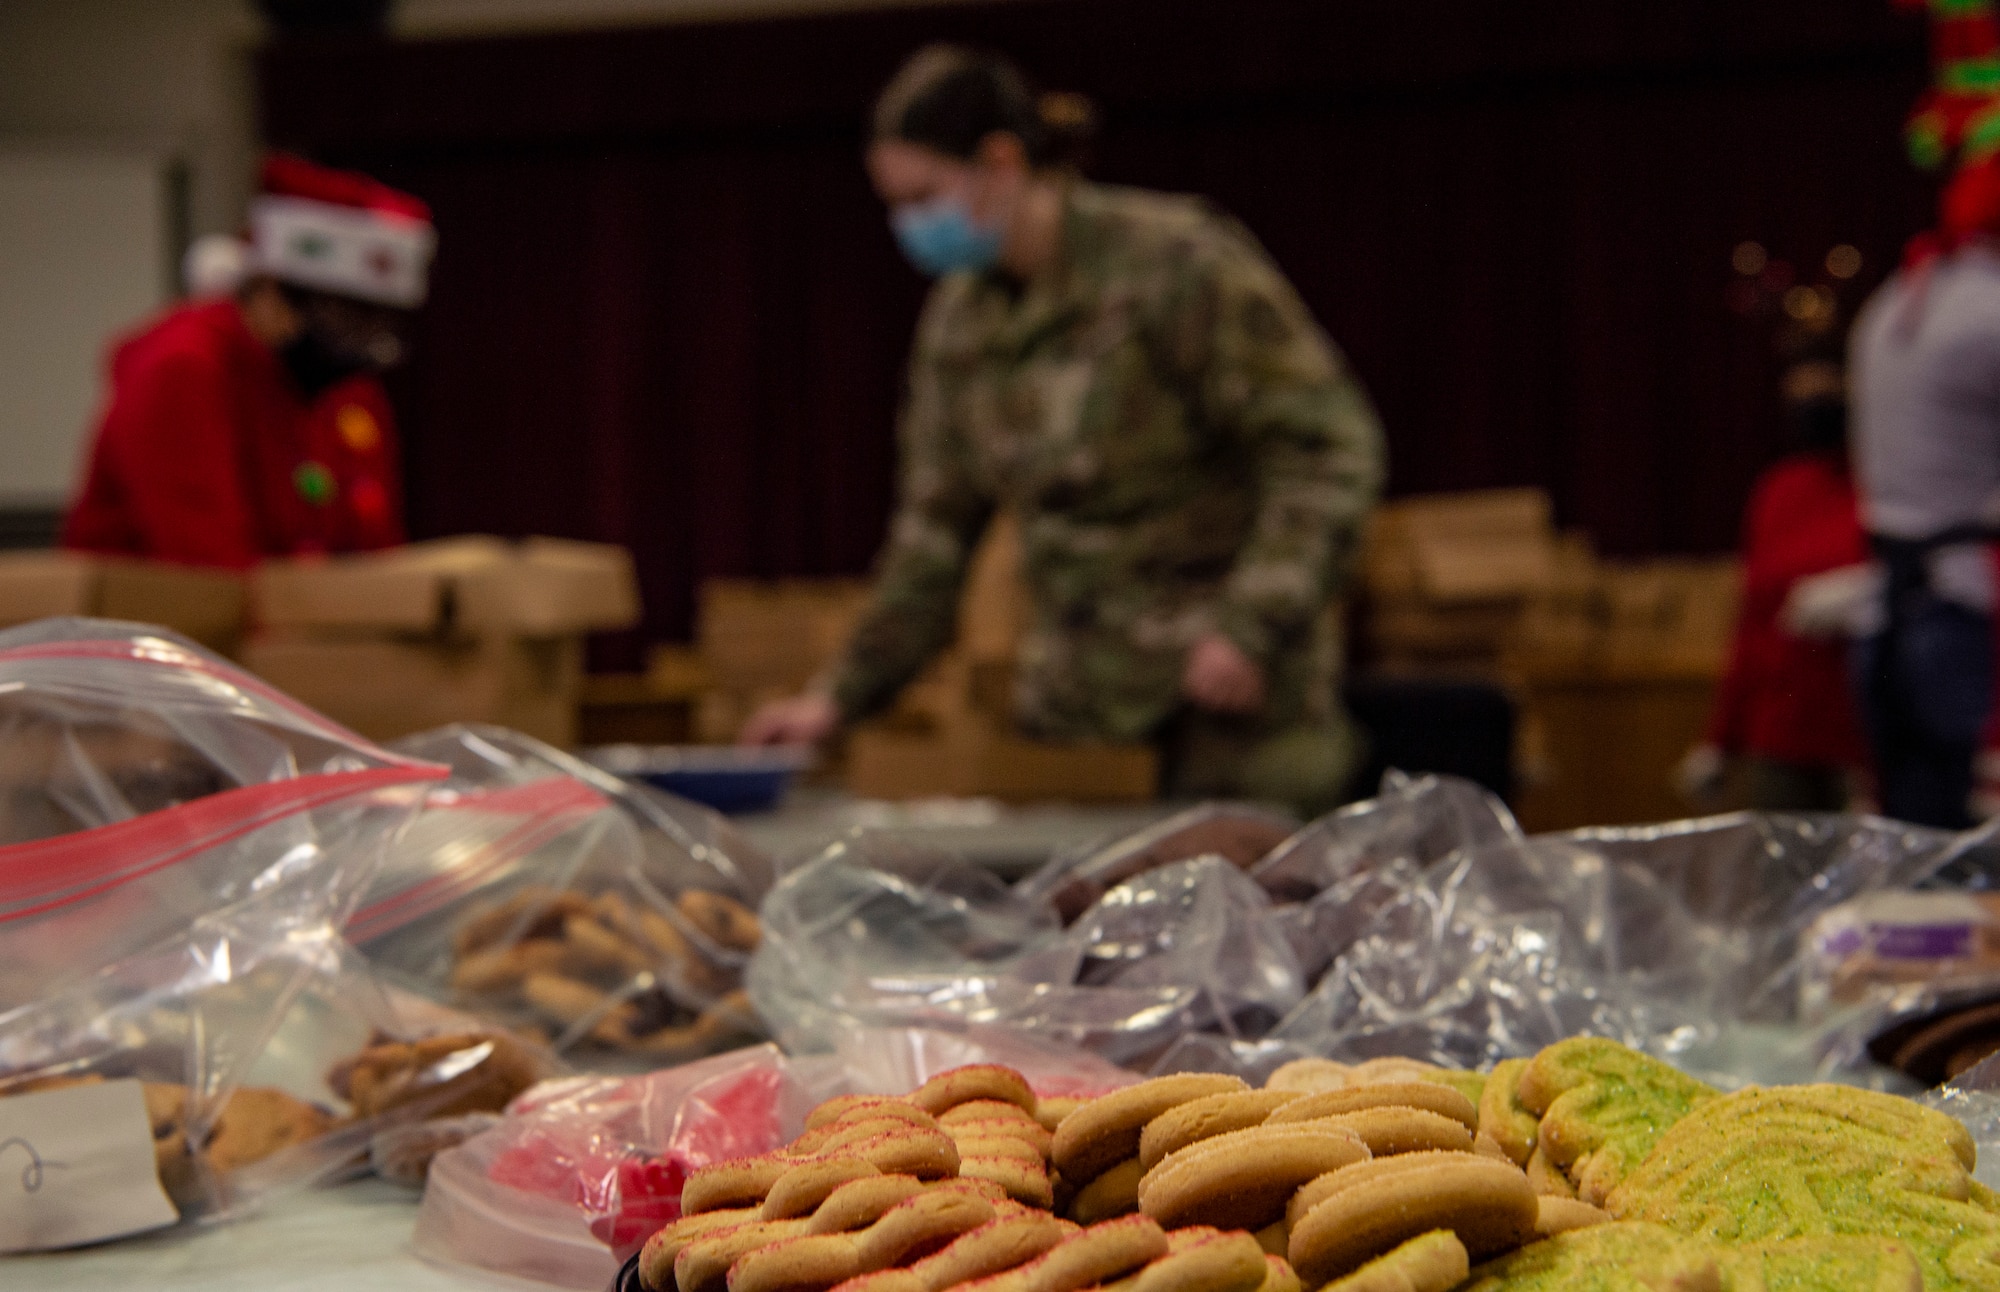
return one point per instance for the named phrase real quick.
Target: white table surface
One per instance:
(349, 1238)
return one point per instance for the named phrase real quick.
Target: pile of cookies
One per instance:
(1589, 1166)
(951, 1187)
(613, 970)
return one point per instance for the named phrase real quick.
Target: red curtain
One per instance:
(667, 312)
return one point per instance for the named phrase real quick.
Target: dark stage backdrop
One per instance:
(668, 313)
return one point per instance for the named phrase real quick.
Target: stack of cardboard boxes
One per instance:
(206, 605)
(464, 629)
(389, 643)
(1448, 578)
(952, 731)
(1612, 665)
(761, 641)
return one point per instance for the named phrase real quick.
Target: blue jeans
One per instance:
(1926, 688)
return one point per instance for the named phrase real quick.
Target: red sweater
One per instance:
(1784, 697)
(208, 455)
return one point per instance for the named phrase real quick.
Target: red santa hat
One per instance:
(341, 232)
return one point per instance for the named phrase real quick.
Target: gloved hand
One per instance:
(1846, 602)
(1700, 774)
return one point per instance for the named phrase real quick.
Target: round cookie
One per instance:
(947, 1090)
(1433, 1262)
(1389, 1131)
(1203, 1118)
(1425, 1095)
(1308, 1076)
(1112, 1194)
(1373, 1207)
(1242, 1180)
(1106, 1131)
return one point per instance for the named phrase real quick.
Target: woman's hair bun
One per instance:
(1069, 128)
(950, 98)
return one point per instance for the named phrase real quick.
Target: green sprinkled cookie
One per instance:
(1602, 1107)
(1826, 1264)
(1501, 1116)
(1766, 1166)
(1608, 1258)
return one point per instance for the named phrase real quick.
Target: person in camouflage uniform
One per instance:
(1188, 455)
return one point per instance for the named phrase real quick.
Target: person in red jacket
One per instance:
(254, 426)
(1785, 705)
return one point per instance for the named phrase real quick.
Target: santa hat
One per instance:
(341, 232)
(1959, 116)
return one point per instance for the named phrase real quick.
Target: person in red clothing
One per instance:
(254, 426)
(1785, 705)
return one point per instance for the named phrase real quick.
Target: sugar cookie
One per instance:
(947, 1090)
(800, 1191)
(1433, 1262)
(1202, 1118)
(1426, 1095)
(1560, 1215)
(1242, 1180)
(1390, 1130)
(1106, 1131)
(1371, 1207)
(1112, 1194)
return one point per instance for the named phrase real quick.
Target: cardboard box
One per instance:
(385, 687)
(973, 759)
(204, 604)
(1491, 545)
(1602, 750)
(761, 638)
(478, 584)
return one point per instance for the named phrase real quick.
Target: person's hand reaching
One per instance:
(801, 720)
(1220, 678)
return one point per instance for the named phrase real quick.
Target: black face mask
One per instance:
(1819, 423)
(316, 366)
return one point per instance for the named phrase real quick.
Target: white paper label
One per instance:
(76, 1166)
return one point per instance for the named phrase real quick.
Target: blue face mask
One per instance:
(940, 237)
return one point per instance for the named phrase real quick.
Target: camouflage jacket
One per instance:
(1186, 452)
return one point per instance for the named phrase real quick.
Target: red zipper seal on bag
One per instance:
(45, 874)
(550, 808)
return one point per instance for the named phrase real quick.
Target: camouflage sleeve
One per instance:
(1267, 376)
(940, 514)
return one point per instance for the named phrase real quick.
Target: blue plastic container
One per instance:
(724, 777)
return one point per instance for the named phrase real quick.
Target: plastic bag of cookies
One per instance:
(606, 919)
(201, 840)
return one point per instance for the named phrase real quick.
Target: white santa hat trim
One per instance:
(378, 256)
